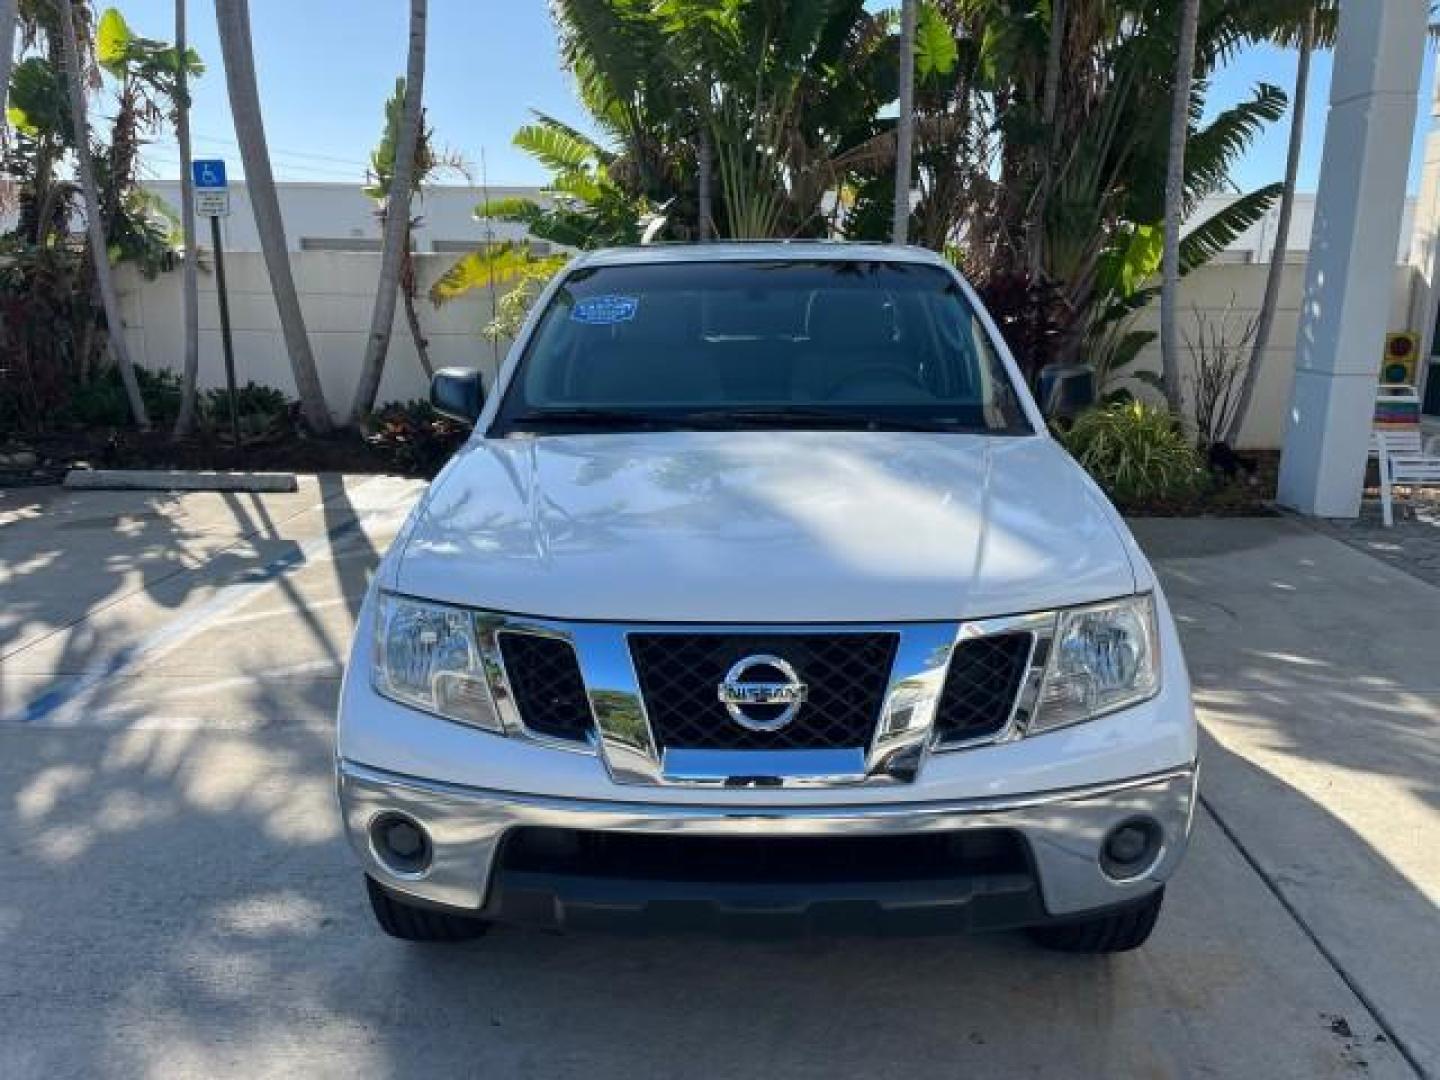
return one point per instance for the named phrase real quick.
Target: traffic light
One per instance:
(1402, 357)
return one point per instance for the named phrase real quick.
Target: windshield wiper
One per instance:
(800, 417)
(780, 417)
(612, 419)
(803, 417)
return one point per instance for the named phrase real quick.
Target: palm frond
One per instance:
(553, 147)
(493, 265)
(598, 152)
(514, 208)
(1212, 151)
(1222, 228)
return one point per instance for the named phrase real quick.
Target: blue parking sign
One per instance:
(209, 174)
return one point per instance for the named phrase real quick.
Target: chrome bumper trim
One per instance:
(798, 768)
(1064, 828)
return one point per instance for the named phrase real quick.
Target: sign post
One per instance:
(212, 200)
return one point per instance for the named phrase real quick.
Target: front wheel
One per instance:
(1116, 931)
(412, 922)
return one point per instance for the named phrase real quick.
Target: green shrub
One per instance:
(262, 411)
(101, 402)
(1137, 453)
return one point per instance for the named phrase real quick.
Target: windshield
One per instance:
(854, 344)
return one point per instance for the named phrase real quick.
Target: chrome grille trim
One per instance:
(904, 733)
(1041, 626)
(488, 628)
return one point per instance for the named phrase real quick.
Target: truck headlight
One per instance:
(426, 656)
(1104, 658)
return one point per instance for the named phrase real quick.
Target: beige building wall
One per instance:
(1211, 289)
(337, 293)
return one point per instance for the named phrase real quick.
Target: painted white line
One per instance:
(63, 705)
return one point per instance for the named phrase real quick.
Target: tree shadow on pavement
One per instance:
(178, 900)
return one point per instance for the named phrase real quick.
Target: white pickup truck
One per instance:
(762, 595)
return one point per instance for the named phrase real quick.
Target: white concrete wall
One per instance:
(343, 212)
(1210, 288)
(337, 291)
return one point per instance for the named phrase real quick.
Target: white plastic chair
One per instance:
(1405, 458)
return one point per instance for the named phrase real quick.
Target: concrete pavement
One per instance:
(1317, 676)
(178, 901)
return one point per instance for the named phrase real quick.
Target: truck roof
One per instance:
(744, 250)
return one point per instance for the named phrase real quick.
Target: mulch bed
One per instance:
(1249, 493)
(57, 453)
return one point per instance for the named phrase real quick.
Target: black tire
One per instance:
(411, 922)
(1117, 931)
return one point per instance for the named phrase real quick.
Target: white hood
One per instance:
(765, 527)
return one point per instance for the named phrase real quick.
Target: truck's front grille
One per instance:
(845, 675)
(544, 676)
(981, 686)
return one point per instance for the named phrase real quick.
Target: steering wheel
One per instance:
(878, 373)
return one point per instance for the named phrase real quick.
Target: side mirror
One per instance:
(458, 393)
(1066, 390)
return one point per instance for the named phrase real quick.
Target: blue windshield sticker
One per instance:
(604, 310)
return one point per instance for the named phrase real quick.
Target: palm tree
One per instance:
(397, 218)
(1175, 203)
(904, 124)
(9, 16)
(99, 250)
(1265, 321)
(189, 288)
(704, 195)
(233, 21)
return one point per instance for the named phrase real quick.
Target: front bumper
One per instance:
(1063, 832)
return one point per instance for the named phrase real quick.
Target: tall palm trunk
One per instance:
(1049, 103)
(189, 285)
(100, 255)
(1175, 206)
(397, 218)
(705, 168)
(905, 123)
(1266, 319)
(9, 16)
(233, 21)
(408, 289)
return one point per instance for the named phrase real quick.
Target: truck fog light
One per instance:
(1131, 848)
(401, 844)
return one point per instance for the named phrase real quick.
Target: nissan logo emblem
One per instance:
(762, 693)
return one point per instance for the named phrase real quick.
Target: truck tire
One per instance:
(412, 922)
(1117, 931)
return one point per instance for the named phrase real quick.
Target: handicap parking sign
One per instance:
(209, 174)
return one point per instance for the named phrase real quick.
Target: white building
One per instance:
(329, 216)
(339, 217)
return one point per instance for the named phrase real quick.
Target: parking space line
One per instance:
(241, 538)
(58, 704)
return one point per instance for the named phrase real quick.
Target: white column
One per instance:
(1351, 272)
